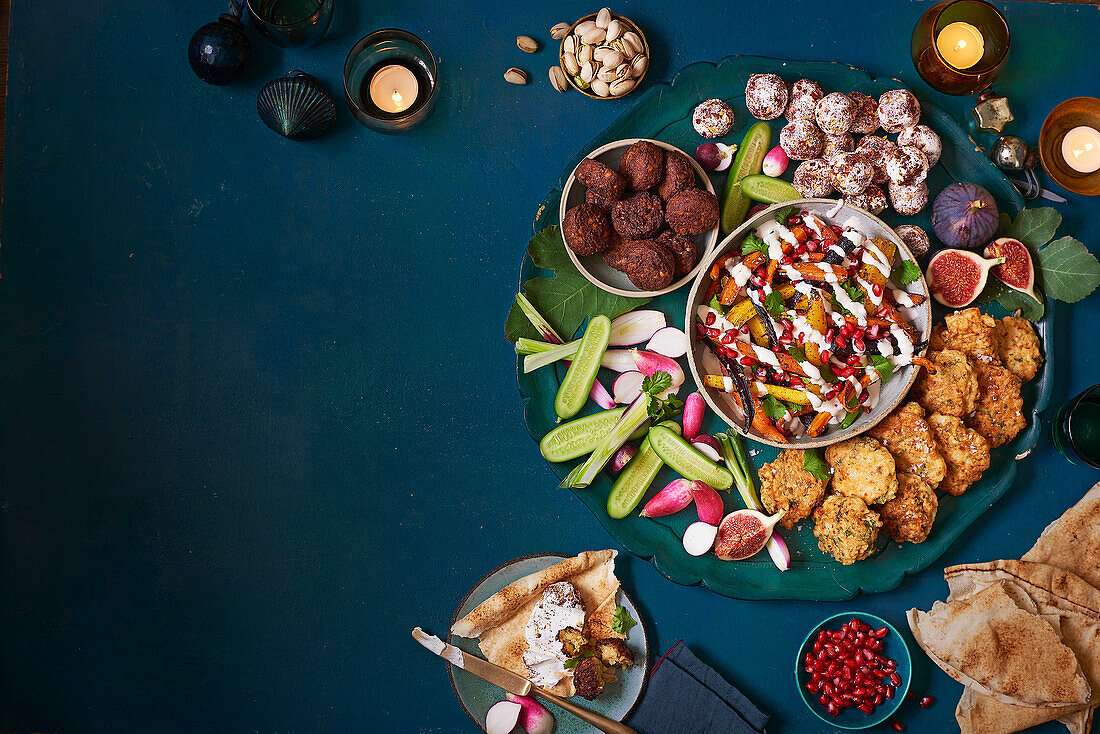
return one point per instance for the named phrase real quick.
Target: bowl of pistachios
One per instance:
(602, 55)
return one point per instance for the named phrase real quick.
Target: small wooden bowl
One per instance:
(593, 267)
(1062, 119)
(630, 26)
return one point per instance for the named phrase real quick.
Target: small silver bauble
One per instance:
(1009, 153)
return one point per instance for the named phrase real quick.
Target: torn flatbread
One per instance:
(1072, 542)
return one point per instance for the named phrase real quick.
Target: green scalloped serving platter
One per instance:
(664, 112)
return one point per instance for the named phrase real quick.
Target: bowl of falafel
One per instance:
(638, 217)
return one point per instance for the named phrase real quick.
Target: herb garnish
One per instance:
(883, 366)
(906, 272)
(815, 465)
(753, 243)
(773, 303)
(621, 621)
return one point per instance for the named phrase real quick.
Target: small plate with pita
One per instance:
(491, 620)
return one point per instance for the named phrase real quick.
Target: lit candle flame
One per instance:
(396, 96)
(960, 45)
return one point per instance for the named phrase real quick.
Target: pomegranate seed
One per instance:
(877, 290)
(829, 335)
(846, 673)
(711, 318)
(796, 381)
(859, 345)
(890, 664)
(785, 339)
(758, 281)
(823, 700)
(833, 709)
(882, 632)
(867, 655)
(816, 648)
(794, 220)
(926, 702)
(852, 361)
(910, 696)
(827, 687)
(846, 330)
(890, 691)
(811, 686)
(727, 337)
(801, 249)
(895, 679)
(867, 708)
(747, 361)
(761, 374)
(812, 246)
(826, 356)
(859, 691)
(712, 332)
(786, 260)
(822, 635)
(897, 725)
(877, 700)
(841, 341)
(838, 682)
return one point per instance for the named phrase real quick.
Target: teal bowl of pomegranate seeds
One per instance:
(853, 670)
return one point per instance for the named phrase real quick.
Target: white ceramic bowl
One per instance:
(593, 267)
(702, 362)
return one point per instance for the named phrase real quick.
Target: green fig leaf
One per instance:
(1069, 271)
(1034, 227)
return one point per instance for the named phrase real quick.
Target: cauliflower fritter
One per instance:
(971, 332)
(572, 640)
(953, 389)
(908, 517)
(907, 436)
(846, 528)
(614, 653)
(999, 415)
(864, 469)
(935, 338)
(965, 450)
(1018, 346)
(785, 485)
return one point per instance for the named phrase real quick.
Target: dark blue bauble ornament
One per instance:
(219, 51)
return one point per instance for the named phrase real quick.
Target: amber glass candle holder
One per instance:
(969, 17)
(397, 54)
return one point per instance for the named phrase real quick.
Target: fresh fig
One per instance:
(957, 277)
(965, 215)
(1017, 271)
(744, 533)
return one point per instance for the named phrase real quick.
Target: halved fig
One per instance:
(744, 533)
(1017, 271)
(957, 277)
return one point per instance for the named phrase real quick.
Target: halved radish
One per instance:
(650, 363)
(670, 342)
(618, 360)
(709, 447)
(699, 538)
(622, 457)
(628, 386)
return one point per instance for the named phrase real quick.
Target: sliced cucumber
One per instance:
(574, 389)
(749, 160)
(581, 436)
(685, 460)
(635, 478)
(768, 190)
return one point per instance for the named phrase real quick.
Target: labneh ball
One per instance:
(678, 175)
(712, 118)
(851, 172)
(866, 113)
(682, 248)
(596, 175)
(906, 164)
(803, 100)
(586, 229)
(642, 165)
(814, 179)
(875, 149)
(872, 198)
(766, 96)
(897, 110)
(834, 144)
(807, 86)
(923, 137)
(835, 113)
(915, 238)
(801, 140)
(692, 212)
(637, 216)
(908, 199)
(650, 266)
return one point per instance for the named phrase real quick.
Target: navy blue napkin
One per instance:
(687, 696)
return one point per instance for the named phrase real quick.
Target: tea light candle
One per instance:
(1081, 149)
(394, 88)
(961, 45)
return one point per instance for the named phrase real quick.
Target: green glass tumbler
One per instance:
(291, 22)
(1076, 428)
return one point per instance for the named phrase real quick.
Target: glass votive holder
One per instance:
(291, 22)
(960, 46)
(390, 81)
(1076, 428)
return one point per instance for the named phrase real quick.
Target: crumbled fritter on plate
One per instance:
(785, 485)
(1018, 346)
(999, 415)
(572, 640)
(952, 389)
(863, 468)
(588, 677)
(614, 653)
(971, 332)
(909, 516)
(965, 450)
(907, 436)
(846, 528)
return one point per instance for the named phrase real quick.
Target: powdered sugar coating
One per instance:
(897, 110)
(875, 149)
(835, 113)
(766, 96)
(908, 199)
(814, 179)
(915, 238)
(801, 140)
(808, 86)
(834, 144)
(925, 138)
(906, 164)
(852, 173)
(866, 121)
(712, 118)
(801, 107)
(872, 198)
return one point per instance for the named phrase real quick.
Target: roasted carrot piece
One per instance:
(817, 425)
(788, 394)
(714, 287)
(762, 423)
(925, 364)
(769, 276)
(716, 268)
(800, 233)
(729, 292)
(754, 259)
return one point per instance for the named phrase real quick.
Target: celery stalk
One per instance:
(533, 362)
(629, 422)
(526, 346)
(537, 320)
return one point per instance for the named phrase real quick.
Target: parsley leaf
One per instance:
(854, 291)
(662, 410)
(797, 352)
(906, 272)
(621, 621)
(657, 384)
(773, 408)
(753, 243)
(885, 369)
(784, 214)
(827, 373)
(815, 465)
(717, 305)
(576, 660)
(838, 307)
(773, 303)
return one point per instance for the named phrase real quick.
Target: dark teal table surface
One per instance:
(258, 415)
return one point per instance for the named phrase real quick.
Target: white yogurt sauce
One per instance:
(545, 657)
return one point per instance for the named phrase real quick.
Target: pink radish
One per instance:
(618, 360)
(635, 327)
(777, 549)
(534, 718)
(699, 538)
(650, 363)
(670, 342)
(622, 458)
(674, 497)
(706, 449)
(628, 386)
(600, 396)
(502, 717)
(775, 162)
(694, 407)
(708, 503)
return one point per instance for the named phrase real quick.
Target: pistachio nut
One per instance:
(557, 79)
(596, 35)
(526, 44)
(606, 75)
(614, 30)
(588, 72)
(639, 65)
(621, 87)
(600, 88)
(569, 45)
(612, 59)
(632, 41)
(584, 54)
(559, 31)
(603, 18)
(571, 64)
(515, 76)
(584, 27)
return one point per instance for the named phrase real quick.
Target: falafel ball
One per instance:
(586, 229)
(637, 216)
(614, 653)
(642, 165)
(679, 175)
(588, 677)
(615, 255)
(683, 250)
(909, 516)
(598, 198)
(649, 266)
(692, 212)
(596, 175)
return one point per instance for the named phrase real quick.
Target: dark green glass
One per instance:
(291, 22)
(1076, 428)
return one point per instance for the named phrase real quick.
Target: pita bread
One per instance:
(987, 642)
(1072, 542)
(500, 621)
